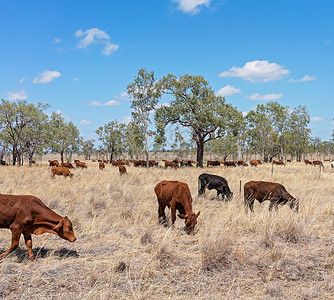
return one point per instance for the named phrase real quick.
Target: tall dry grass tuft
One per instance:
(122, 252)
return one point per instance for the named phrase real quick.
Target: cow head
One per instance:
(65, 229)
(294, 204)
(190, 221)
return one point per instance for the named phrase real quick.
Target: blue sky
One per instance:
(79, 56)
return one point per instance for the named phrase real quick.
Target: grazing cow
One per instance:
(213, 163)
(105, 161)
(53, 163)
(177, 196)
(28, 215)
(318, 163)
(274, 192)
(61, 171)
(240, 162)
(81, 164)
(229, 164)
(101, 165)
(152, 163)
(278, 162)
(308, 162)
(254, 163)
(76, 160)
(3, 163)
(288, 160)
(259, 161)
(122, 170)
(186, 163)
(171, 164)
(214, 182)
(67, 165)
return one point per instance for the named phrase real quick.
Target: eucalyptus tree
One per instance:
(112, 136)
(196, 107)
(17, 119)
(144, 94)
(64, 137)
(87, 148)
(134, 139)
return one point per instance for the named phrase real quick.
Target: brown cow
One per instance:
(263, 190)
(171, 164)
(101, 165)
(308, 162)
(318, 163)
(278, 162)
(177, 196)
(213, 163)
(229, 164)
(240, 162)
(53, 163)
(67, 165)
(81, 164)
(28, 215)
(122, 170)
(254, 163)
(61, 171)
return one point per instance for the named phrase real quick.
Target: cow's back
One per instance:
(166, 190)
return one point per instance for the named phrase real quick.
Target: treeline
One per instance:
(200, 120)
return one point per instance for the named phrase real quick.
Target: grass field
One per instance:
(122, 253)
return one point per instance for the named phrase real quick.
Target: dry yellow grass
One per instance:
(122, 253)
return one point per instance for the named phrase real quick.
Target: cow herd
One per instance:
(27, 215)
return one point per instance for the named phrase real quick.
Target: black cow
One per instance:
(3, 163)
(214, 182)
(186, 163)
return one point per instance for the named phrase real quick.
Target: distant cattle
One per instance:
(76, 160)
(332, 164)
(27, 215)
(105, 161)
(3, 163)
(288, 160)
(240, 162)
(101, 165)
(177, 196)
(215, 182)
(245, 165)
(67, 165)
(117, 163)
(153, 163)
(213, 163)
(259, 161)
(81, 164)
(171, 164)
(186, 163)
(308, 162)
(53, 163)
(61, 171)
(122, 170)
(278, 162)
(263, 190)
(254, 163)
(229, 164)
(318, 163)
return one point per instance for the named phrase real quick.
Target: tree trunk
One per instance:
(62, 156)
(146, 147)
(30, 159)
(111, 156)
(200, 154)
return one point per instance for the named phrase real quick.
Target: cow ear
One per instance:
(198, 214)
(182, 216)
(60, 224)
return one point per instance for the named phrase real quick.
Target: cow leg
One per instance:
(162, 216)
(16, 233)
(251, 204)
(271, 206)
(28, 242)
(173, 213)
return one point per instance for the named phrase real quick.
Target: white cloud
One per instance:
(267, 97)
(318, 119)
(76, 78)
(108, 103)
(244, 113)
(85, 122)
(46, 77)
(126, 120)
(20, 95)
(328, 42)
(228, 91)
(109, 48)
(257, 71)
(22, 80)
(95, 36)
(56, 41)
(304, 79)
(60, 112)
(192, 6)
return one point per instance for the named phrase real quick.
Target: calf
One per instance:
(122, 170)
(60, 171)
(28, 215)
(81, 164)
(177, 196)
(216, 182)
(263, 190)
(101, 165)
(67, 165)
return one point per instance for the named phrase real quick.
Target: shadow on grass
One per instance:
(41, 252)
